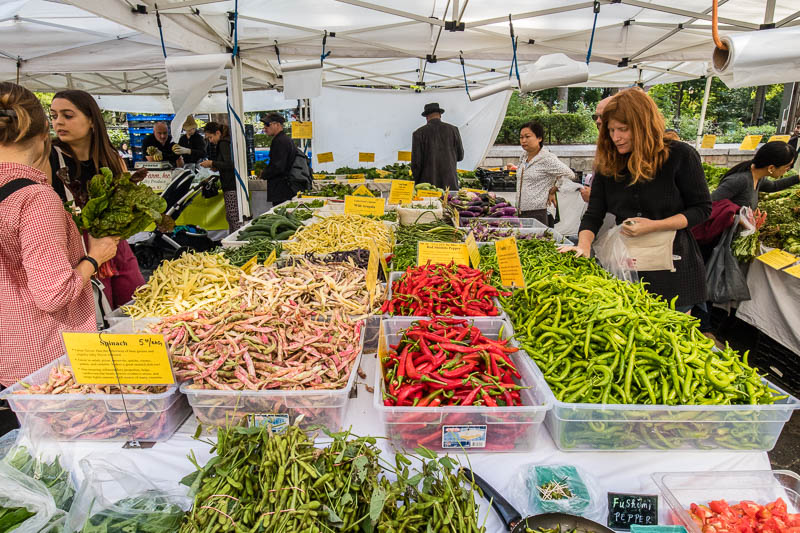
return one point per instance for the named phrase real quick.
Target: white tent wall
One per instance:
(349, 121)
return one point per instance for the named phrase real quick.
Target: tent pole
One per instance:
(236, 97)
(703, 112)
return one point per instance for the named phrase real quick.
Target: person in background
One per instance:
(126, 155)
(162, 141)
(650, 185)
(191, 146)
(81, 149)
(539, 173)
(586, 191)
(436, 150)
(220, 136)
(795, 136)
(45, 271)
(742, 183)
(282, 152)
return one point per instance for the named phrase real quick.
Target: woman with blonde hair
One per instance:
(654, 187)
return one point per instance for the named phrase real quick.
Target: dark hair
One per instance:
(273, 117)
(101, 151)
(536, 128)
(22, 117)
(776, 153)
(214, 127)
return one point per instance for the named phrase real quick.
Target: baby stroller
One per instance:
(158, 246)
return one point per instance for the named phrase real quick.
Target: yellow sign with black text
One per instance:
(362, 190)
(708, 141)
(777, 258)
(472, 248)
(325, 157)
(366, 157)
(402, 192)
(750, 142)
(364, 205)
(508, 263)
(784, 138)
(403, 156)
(301, 130)
(422, 193)
(442, 252)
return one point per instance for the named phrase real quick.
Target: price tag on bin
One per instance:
(508, 262)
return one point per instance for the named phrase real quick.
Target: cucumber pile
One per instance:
(274, 226)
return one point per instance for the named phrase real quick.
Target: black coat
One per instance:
(282, 151)
(679, 187)
(435, 150)
(166, 149)
(223, 163)
(196, 144)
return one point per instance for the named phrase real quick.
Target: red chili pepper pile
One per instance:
(745, 517)
(447, 361)
(449, 290)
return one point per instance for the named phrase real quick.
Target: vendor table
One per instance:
(625, 472)
(774, 307)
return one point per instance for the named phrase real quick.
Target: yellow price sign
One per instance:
(325, 157)
(403, 156)
(750, 142)
(402, 192)
(372, 270)
(476, 191)
(356, 179)
(793, 271)
(508, 262)
(777, 259)
(708, 141)
(309, 196)
(108, 359)
(271, 258)
(442, 252)
(248, 266)
(364, 205)
(382, 180)
(366, 157)
(784, 138)
(362, 190)
(383, 350)
(301, 130)
(322, 176)
(472, 248)
(422, 193)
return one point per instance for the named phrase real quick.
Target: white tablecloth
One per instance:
(626, 472)
(774, 307)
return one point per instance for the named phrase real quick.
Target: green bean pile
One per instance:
(261, 247)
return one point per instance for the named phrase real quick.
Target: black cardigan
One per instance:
(679, 187)
(225, 165)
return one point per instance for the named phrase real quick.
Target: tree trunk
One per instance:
(678, 105)
(758, 106)
(563, 99)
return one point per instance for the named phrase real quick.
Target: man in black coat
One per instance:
(281, 157)
(161, 139)
(435, 150)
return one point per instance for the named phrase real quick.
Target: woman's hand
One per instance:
(102, 250)
(638, 226)
(207, 163)
(579, 250)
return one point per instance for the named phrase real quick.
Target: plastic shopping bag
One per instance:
(612, 254)
(725, 281)
(24, 501)
(746, 221)
(120, 499)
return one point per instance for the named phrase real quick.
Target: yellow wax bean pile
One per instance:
(191, 282)
(340, 233)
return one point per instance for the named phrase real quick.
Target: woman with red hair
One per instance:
(653, 186)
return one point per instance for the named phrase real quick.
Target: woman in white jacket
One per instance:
(539, 174)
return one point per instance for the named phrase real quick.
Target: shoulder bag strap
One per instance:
(13, 186)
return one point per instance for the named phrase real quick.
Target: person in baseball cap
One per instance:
(281, 157)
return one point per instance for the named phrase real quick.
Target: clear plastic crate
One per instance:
(154, 417)
(681, 489)
(232, 407)
(394, 276)
(614, 427)
(556, 236)
(503, 222)
(503, 429)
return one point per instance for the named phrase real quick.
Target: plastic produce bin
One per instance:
(583, 426)
(233, 407)
(394, 276)
(503, 222)
(482, 429)
(681, 489)
(154, 417)
(556, 236)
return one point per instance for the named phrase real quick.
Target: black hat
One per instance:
(273, 117)
(433, 107)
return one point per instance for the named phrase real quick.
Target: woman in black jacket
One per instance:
(220, 135)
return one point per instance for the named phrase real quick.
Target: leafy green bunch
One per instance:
(120, 207)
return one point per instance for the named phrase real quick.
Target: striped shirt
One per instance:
(41, 294)
(536, 177)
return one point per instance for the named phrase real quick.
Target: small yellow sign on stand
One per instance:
(362, 190)
(423, 193)
(403, 156)
(777, 258)
(325, 157)
(750, 142)
(301, 130)
(442, 252)
(366, 157)
(508, 263)
(402, 192)
(248, 266)
(472, 248)
(322, 176)
(784, 138)
(708, 141)
(271, 258)
(382, 180)
(109, 359)
(356, 179)
(793, 271)
(372, 270)
(476, 191)
(364, 205)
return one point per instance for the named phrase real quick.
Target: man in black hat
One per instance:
(435, 150)
(281, 157)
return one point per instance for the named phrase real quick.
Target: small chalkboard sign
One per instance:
(627, 509)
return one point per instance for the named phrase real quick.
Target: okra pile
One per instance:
(601, 340)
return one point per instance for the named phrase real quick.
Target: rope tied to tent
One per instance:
(324, 41)
(594, 27)
(514, 62)
(463, 70)
(160, 32)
